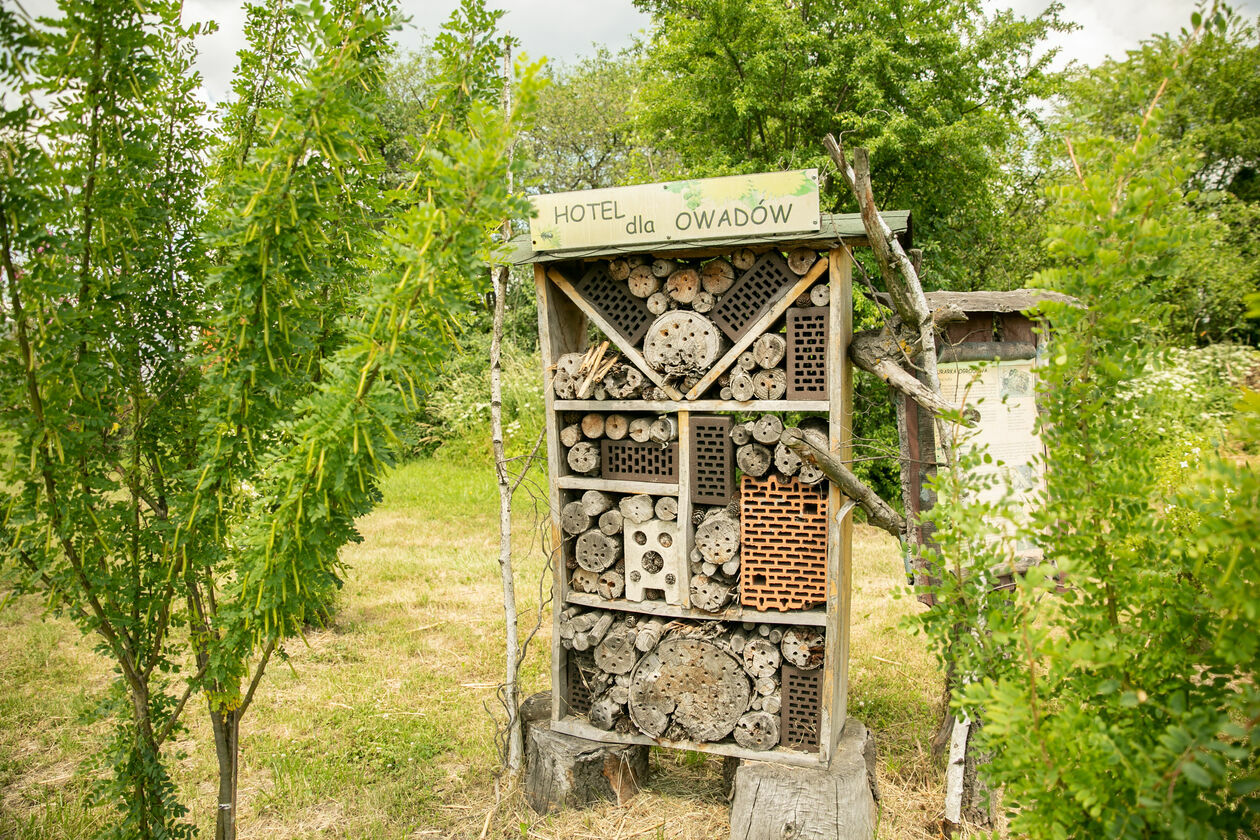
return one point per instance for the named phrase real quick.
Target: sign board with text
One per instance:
(648, 214)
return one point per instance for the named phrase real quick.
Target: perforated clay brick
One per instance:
(712, 461)
(801, 707)
(807, 352)
(783, 543)
(581, 669)
(752, 295)
(628, 460)
(612, 299)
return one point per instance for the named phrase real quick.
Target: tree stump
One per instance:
(682, 342)
(563, 771)
(690, 686)
(774, 802)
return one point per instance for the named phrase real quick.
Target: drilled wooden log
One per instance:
(616, 654)
(771, 703)
(743, 259)
(584, 457)
(564, 386)
(820, 295)
(741, 433)
(593, 426)
(682, 342)
(638, 509)
(731, 567)
(767, 429)
(595, 502)
(570, 363)
(753, 459)
(616, 426)
(642, 282)
(804, 647)
(765, 685)
(664, 430)
(775, 635)
(618, 269)
(597, 551)
(574, 519)
(683, 285)
(667, 508)
(611, 585)
(623, 382)
(786, 461)
(746, 361)
(689, 687)
(649, 634)
(810, 474)
(769, 384)
(704, 302)
(570, 435)
(663, 267)
(611, 522)
(640, 429)
(736, 640)
(658, 303)
(717, 538)
(603, 713)
(584, 580)
(768, 350)
(757, 731)
(709, 594)
(717, 276)
(741, 386)
(801, 260)
(596, 634)
(761, 659)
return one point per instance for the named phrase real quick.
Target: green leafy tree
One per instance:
(1124, 706)
(201, 386)
(935, 90)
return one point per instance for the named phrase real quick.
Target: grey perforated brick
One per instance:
(753, 294)
(611, 298)
(807, 352)
(800, 707)
(628, 460)
(580, 672)
(712, 460)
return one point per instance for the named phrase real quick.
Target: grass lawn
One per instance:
(377, 726)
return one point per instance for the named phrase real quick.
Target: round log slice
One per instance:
(717, 276)
(757, 731)
(682, 342)
(803, 647)
(597, 551)
(700, 685)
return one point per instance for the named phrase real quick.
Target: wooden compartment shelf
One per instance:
(812, 618)
(671, 406)
(570, 725)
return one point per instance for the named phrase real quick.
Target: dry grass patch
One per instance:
(376, 726)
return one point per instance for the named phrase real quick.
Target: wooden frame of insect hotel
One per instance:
(701, 589)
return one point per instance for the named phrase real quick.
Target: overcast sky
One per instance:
(563, 30)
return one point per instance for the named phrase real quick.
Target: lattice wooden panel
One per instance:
(712, 461)
(628, 460)
(581, 669)
(754, 292)
(801, 707)
(612, 299)
(807, 352)
(783, 543)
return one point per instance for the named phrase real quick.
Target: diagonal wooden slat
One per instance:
(628, 350)
(763, 323)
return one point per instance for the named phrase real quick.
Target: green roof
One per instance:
(835, 228)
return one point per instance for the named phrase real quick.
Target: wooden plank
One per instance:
(582, 482)
(809, 618)
(561, 329)
(761, 325)
(628, 350)
(779, 755)
(685, 529)
(668, 406)
(835, 686)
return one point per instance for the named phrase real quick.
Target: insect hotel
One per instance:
(702, 577)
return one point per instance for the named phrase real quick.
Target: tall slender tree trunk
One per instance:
(499, 278)
(227, 728)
